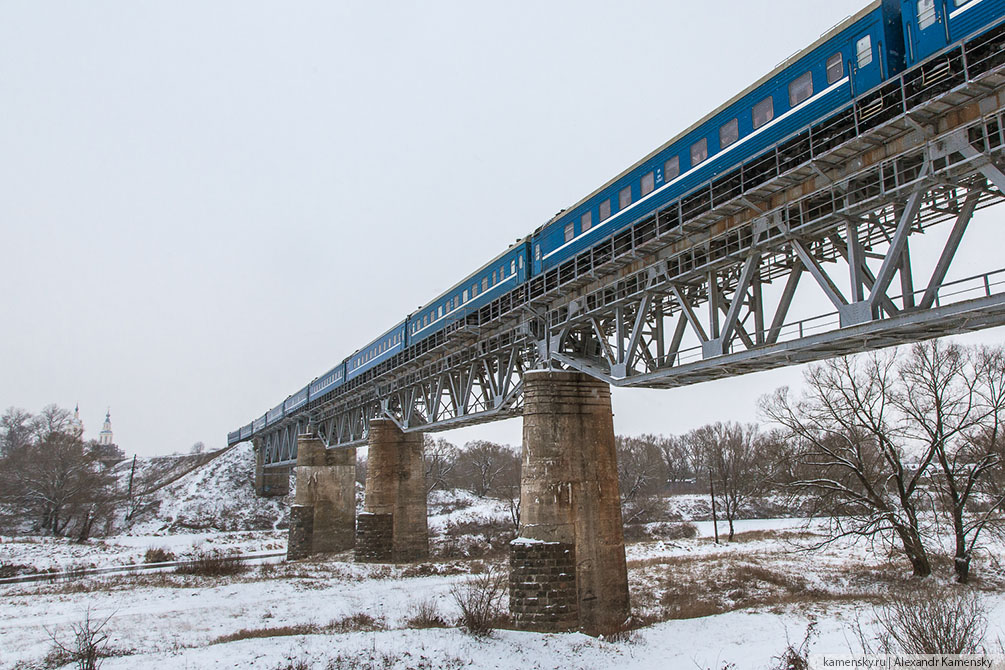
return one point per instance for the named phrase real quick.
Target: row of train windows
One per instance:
(800, 90)
(456, 301)
(377, 349)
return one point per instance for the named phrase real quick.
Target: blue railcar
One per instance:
(295, 401)
(258, 425)
(931, 25)
(501, 274)
(274, 415)
(850, 59)
(329, 381)
(375, 353)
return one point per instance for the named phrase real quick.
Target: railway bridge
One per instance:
(814, 262)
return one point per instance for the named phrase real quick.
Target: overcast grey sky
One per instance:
(204, 205)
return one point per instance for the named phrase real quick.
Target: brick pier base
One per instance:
(568, 569)
(393, 527)
(323, 515)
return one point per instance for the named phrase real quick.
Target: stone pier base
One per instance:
(568, 568)
(393, 526)
(323, 516)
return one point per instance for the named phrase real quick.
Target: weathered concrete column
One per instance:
(269, 482)
(567, 567)
(323, 515)
(393, 527)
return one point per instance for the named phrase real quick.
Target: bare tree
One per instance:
(440, 459)
(953, 399)
(731, 452)
(855, 461)
(17, 430)
(482, 465)
(55, 477)
(641, 476)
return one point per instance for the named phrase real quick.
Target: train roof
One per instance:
(827, 35)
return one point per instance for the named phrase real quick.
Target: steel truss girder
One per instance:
(727, 281)
(631, 334)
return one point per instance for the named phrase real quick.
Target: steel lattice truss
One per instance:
(713, 296)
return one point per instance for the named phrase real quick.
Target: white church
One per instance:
(105, 437)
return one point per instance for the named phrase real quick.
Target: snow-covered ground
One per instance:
(699, 604)
(169, 620)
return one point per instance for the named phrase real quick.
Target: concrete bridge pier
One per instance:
(567, 567)
(269, 482)
(323, 515)
(393, 527)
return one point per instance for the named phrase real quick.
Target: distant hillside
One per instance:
(208, 492)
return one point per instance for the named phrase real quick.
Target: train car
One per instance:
(501, 274)
(853, 57)
(932, 25)
(329, 381)
(295, 401)
(378, 351)
(274, 415)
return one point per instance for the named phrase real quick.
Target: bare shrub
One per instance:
(89, 645)
(157, 555)
(795, 657)
(934, 621)
(293, 664)
(212, 564)
(426, 614)
(666, 531)
(480, 601)
(274, 631)
(358, 622)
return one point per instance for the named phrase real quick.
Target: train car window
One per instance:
(537, 252)
(570, 232)
(439, 311)
(495, 278)
(729, 132)
(464, 296)
(648, 183)
(863, 51)
(699, 151)
(512, 267)
(485, 284)
(801, 89)
(605, 210)
(835, 68)
(520, 263)
(624, 197)
(671, 169)
(585, 223)
(763, 112)
(926, 13)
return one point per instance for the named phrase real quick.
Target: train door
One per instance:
(866, 63)
(925, 28)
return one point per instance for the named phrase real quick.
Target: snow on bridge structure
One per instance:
(677, 298)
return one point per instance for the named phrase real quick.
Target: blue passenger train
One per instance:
(813, 101)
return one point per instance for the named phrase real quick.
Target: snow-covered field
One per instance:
(698, 604)
(177, 621)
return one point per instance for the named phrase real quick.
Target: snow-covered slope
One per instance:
(216, 496)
